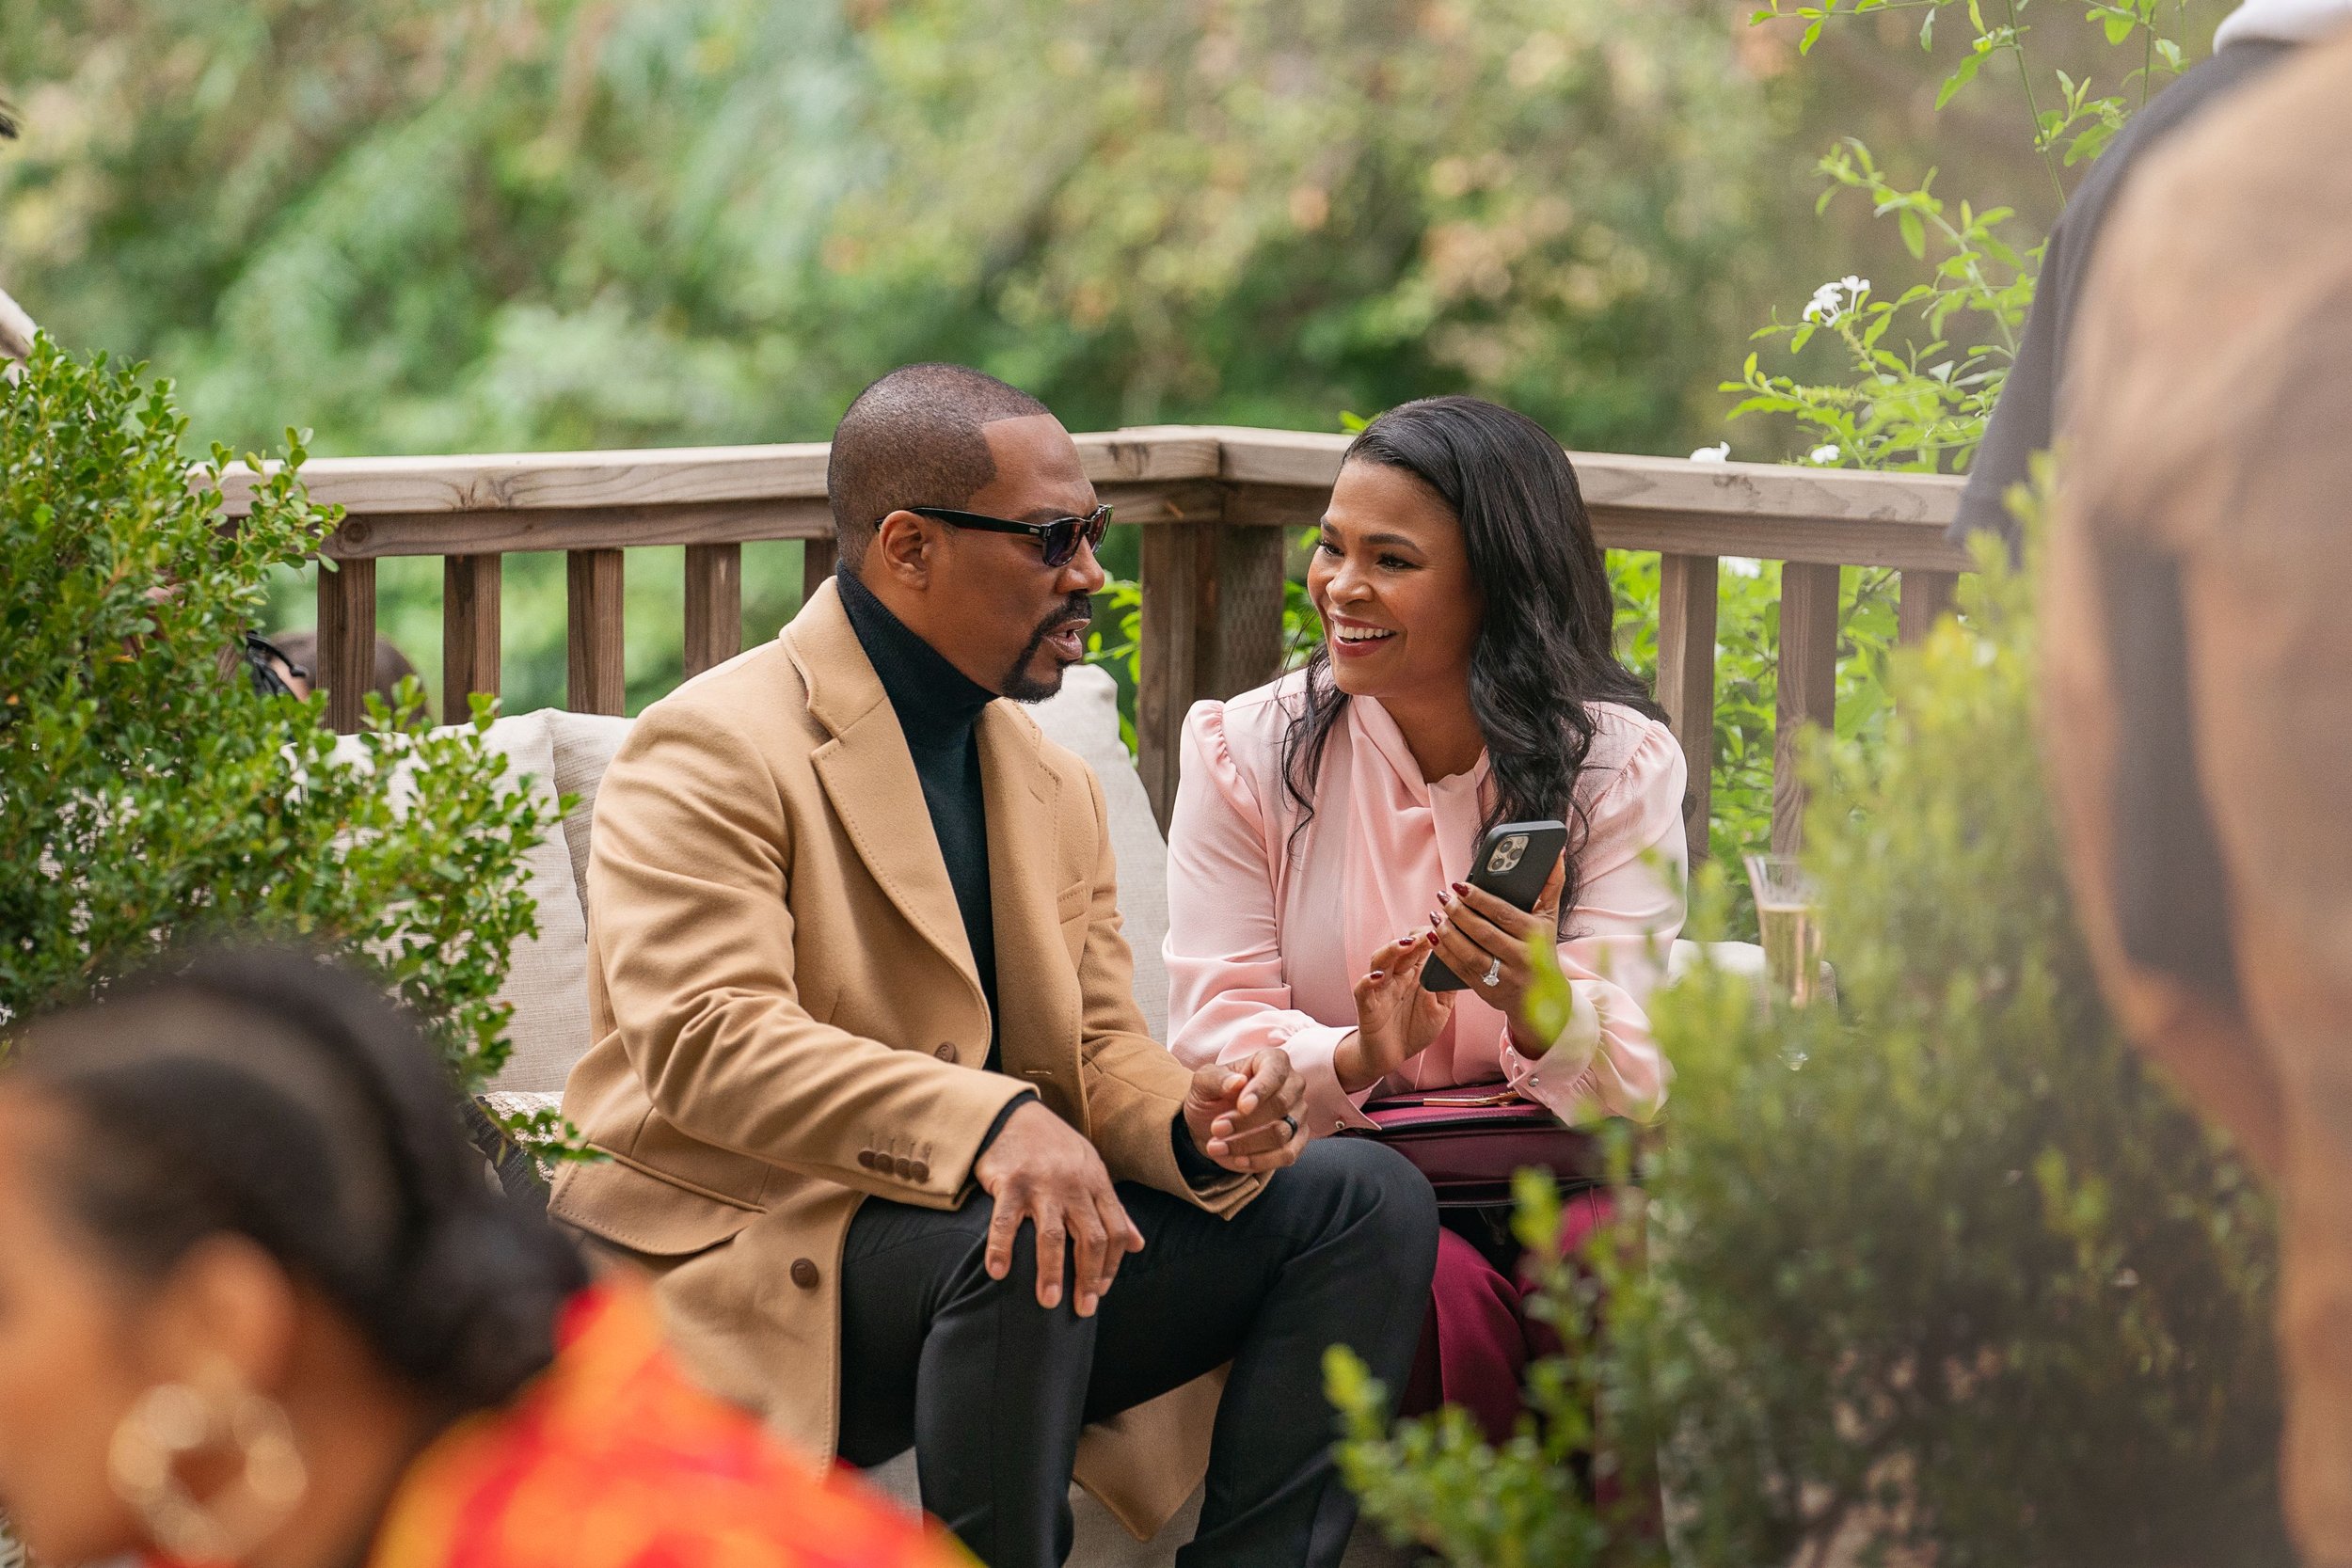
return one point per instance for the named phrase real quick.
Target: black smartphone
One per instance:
(1513, 863)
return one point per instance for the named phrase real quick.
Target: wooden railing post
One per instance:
(469, 631)
(1246, 608)
(593, 633)
(1686, 679)
(1178, 582)
(1925, 599)
(819, 556)
(1807, 686)
(714, 604)
(1212, 626)
(348, 639)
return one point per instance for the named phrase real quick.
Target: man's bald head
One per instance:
(913, 439)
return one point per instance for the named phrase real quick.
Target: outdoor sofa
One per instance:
(562, 752)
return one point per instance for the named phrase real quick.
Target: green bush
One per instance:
(1939, 1264)
(147, 795)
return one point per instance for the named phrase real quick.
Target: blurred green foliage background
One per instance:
(418, 225)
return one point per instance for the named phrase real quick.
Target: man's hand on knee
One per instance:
(1041, 1168)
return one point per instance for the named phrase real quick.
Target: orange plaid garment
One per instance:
(612, 1459)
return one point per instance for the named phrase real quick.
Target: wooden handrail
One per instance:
(719, 495)
(1212, 501)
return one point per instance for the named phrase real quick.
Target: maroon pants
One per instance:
(1477, 1339)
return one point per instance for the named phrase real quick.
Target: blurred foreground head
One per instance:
(249, 1260)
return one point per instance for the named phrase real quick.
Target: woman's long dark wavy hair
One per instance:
(1545, 645)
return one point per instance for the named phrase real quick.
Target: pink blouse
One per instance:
(1264, 946)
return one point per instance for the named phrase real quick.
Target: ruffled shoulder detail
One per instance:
(1634, 782)
(1237, 743)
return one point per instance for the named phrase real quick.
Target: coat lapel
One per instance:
(1036, 984)
(868, 776)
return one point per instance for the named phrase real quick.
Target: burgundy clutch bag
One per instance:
(1470, 1141)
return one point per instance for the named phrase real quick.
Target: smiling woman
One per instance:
(1325, 826)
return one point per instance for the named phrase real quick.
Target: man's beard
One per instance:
(1018, 683)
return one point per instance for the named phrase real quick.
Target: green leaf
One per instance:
(1927, 29)
(1962, 76)
(1914, 232)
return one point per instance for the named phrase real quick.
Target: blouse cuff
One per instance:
(1562, 1077)
(1312, 1050)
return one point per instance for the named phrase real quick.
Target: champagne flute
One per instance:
(1787, 917)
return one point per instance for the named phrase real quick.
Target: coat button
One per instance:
(920, 1172)
(903, 1167)
(947, 1051)
(804, 1274)
(867, 1158)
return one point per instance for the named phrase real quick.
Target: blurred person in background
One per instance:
(274, 671)
(2248, 43)
(259, 1305)
(2198, 678)
(301, 649)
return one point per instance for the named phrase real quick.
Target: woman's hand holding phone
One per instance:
(1478, 932)
(1396, 1016)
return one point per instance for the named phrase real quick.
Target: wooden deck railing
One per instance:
(1213, 502)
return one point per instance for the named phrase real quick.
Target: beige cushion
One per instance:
(547, 980)
(584, 744)
(1743, 958)
(1083, 717)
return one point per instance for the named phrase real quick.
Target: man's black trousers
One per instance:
(990, 1389)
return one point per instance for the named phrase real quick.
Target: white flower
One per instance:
(1827, 305)
(1827, 454)
(1719, 453)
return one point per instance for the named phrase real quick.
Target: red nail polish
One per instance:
(1461, 887)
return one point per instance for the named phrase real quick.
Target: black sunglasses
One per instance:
(1059, 538)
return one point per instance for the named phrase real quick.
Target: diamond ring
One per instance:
(1493, 977)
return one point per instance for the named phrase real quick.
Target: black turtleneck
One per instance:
(939, 711)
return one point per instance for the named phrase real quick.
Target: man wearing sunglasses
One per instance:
(882, 1113)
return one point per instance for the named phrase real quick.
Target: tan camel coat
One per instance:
(787, 1018)
(2209, 434)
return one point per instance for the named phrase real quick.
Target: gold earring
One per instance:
(172, 1421)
